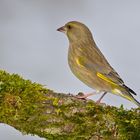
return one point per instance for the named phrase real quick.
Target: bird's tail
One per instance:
(126, 93)
(136, 102)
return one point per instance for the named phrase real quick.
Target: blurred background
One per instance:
(31, 46)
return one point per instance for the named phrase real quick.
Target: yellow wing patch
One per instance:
(117, 89)
(106, 79)
(80, 61)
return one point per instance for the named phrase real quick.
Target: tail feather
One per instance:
(136, 102)
(129, 89)
(126, 93)
(130, 92)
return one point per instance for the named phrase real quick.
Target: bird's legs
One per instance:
(84, 96)
(99, 100)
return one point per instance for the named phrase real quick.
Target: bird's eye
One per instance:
(69, 26)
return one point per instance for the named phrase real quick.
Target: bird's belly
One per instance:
(87, 76)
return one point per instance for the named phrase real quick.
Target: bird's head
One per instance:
(75, 31)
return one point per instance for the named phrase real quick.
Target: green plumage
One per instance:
(88, 63)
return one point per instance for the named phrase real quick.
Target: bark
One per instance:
(33, 109)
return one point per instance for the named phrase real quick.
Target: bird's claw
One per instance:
(83, 96)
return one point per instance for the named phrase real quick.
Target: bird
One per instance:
(89, 65)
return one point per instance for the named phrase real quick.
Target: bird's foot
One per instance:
(83, 96)
(98, 102)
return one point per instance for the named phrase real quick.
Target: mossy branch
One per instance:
(33, 109)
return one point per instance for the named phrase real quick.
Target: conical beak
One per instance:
(62, 29)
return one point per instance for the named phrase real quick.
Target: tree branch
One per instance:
(33, 109)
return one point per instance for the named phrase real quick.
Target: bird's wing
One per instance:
(105, 71)
(111, 77)
(96, 62)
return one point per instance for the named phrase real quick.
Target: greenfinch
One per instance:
(89, 65)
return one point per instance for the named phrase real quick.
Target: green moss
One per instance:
(31, 108)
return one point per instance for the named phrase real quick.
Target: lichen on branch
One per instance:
(33, 109)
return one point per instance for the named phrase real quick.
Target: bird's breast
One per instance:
(76, 61)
